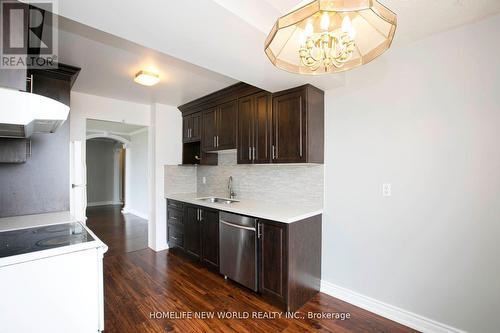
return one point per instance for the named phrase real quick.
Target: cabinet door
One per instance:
(226, 125)
(289, 128)
(210, 238)
(209, 129)
(273, 261)
(192, 232)
(186, 128)
(262, 128)
(196, 126)
(50, 87)
(245, 130)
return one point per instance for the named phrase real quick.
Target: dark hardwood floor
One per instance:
(148, 292)
(121, 232)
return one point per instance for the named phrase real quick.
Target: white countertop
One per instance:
(36, 220)
(27, 221)
(264, 210)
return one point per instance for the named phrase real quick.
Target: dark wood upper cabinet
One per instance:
(284, 127)
(298, 126)
(196, 126)
(262, 128)
(186, 128)
(227, 114)
(210, 238)
(219, 127)
(245, 129)
(253, 128)
(191, 127)
(55, 83)
(192, 230)
(209, 129)
(289, 128)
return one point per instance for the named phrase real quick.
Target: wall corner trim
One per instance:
(388, 311)
(127, 210)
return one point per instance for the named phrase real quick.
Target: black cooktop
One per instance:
(42, 238)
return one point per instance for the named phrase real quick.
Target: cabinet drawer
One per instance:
(175, 236)
(175, 204)
(175, 216)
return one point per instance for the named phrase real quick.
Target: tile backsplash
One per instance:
(180, 179)
(290, 184)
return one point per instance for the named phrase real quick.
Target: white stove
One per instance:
(58, 260)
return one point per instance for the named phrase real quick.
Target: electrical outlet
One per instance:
(204, 180)
(386, 190)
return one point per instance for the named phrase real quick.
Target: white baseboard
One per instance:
(127, 210)
(391, 312)
(103, 203)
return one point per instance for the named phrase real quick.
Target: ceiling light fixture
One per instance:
(147, 78)
(328, 36)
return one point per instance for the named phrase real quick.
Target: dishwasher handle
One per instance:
(237, 226)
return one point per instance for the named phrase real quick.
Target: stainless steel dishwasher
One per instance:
(238, 248)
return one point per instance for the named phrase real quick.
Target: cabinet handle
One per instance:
(273, 153)
(201, 215)
(215, 143)
(30, 80)
(259, 230)
(253, 154)
(189, 132)
(250, 153)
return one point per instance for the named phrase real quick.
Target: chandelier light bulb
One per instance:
(302, 39)
(348, 28)
(325, 21)
(309, 30)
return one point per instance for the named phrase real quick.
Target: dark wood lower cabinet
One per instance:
(210, 238)
(273, 260)
(192, 232)
(290, 261)
(195, 230)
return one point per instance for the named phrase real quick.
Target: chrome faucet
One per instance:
(232, 195)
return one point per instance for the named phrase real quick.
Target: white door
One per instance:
(78, 194)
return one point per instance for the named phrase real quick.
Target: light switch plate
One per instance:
(386, 190)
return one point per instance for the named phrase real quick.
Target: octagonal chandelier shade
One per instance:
(328, 36)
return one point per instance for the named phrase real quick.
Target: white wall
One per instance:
(166, 137)
(102, 173)
(136, 170)
(425, 118)
(84, 106)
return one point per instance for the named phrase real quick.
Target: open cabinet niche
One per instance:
(193, 154)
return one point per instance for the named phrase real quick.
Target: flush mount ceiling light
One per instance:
(328, 36)
(147, 78)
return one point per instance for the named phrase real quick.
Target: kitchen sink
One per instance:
(218, 200)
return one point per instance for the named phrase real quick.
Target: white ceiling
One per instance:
(94, 126)
(109, 64)
(223, 36)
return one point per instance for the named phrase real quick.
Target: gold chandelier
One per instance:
(327, 36)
